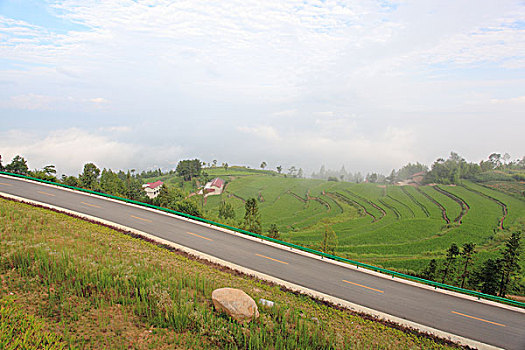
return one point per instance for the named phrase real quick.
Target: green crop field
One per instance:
(399, 227)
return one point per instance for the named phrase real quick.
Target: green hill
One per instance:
(398, 227)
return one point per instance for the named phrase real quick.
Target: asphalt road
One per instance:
(467, 318)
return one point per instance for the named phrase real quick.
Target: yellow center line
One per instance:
(90, 205)
(47, 194)
(267, 257)
(196, 235)
(479, 319)
(136, 217)
(2, 183)
(360, 285)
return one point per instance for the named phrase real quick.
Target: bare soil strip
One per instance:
(383, 212)
(403, 204)
(396, 212)
(464, 206)
(442, 208)
(351, 202)
(413, 199)
(503, 206)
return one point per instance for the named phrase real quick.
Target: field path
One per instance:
(464, 206)
(396, 212)
(403, 204)
(338, 196)
(381, 210)
(413, 199)
(501, 204)
(442, 208)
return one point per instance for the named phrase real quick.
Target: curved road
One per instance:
(498, 326)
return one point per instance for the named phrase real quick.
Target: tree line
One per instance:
(493, 276)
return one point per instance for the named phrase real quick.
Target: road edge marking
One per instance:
(290, 286)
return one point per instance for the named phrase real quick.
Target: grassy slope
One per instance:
(390, 226)
(92, 287)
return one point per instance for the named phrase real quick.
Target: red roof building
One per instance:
(152, 188)
(214, 187)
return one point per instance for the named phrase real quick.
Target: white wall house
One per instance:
(152, 189)
(214, 187)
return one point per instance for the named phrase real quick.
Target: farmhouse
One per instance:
(153, 188)
(214, 187)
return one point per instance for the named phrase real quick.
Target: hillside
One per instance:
(397, 227)
(67, 283)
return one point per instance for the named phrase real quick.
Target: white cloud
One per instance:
(38, 102)
(70, 149)
(308, 80)
(262, 131)
(514, 100)
(389, 148)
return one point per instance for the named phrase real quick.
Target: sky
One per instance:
(371, 85)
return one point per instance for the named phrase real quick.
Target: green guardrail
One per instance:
(479, 295)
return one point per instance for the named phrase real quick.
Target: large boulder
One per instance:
(234, 302)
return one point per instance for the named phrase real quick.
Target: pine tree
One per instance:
(252, 218)
(330, 241)
(430, 272)
(510, 262)
(273, 232)
(449, 266)
(467, 254)
(226, 210)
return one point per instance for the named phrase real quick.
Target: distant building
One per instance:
(214, 187)
(414, 180)
(152, 189)
(418, 177)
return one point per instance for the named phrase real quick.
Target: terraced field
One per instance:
(400, 227)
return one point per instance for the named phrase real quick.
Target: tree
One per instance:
(300, 173)
(70, 181)
(89, 177)
(273, 232)
(292, 171)
(133, 187)
(188, 169)
(330, 241)
(449, 267)
(372, 178)
(486, 278)
(18, 166)
(47, 173)
(467, 253)
(188, 206)
(279, 169)
(111, 183)
(226, 210)
(430, 272)
(510, 262)
(1, 166)
(495, 159)
(263, 165)
(49, 170)
(225, 166)
(252, 218)
(214, 163)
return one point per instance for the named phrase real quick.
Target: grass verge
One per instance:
(93, 287)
